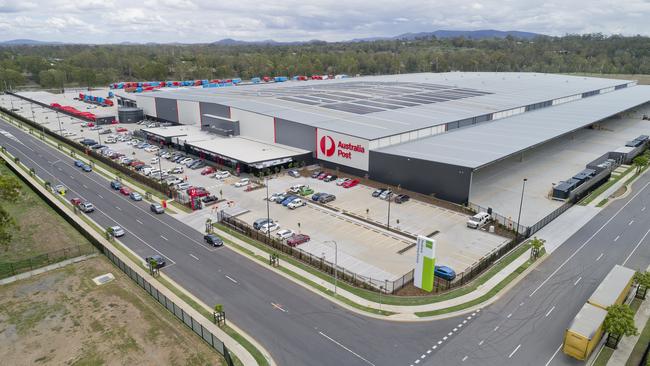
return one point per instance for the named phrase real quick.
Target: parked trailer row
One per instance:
(586, 329)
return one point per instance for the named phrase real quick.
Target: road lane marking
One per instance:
(83, 185)
(164, 238)
(588, 240)
(521, 304)
(279, 307)
(630, 223)
(481, 342)
(139, 222)
(515, 351)
(549, 312)
(554, 354)
(509, 315)
(439, 342)
(449, 334)
(445, 338)
(118, 208)
(349, 350)
(643, 209)
(193, 256)
(428, 352)
(616, 238)
(636, 247)
(600, 256)
(578, 280)
(464, 358)
(434, 347)
(230, 278)
(100, 196)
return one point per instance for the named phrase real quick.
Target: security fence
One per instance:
(320, 263)
(8, 269)
(506, 222)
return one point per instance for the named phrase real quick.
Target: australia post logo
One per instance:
(342, 149)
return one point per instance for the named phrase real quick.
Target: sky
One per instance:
(198, 21)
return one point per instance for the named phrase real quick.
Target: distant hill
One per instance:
(477, 34)
(27, 42)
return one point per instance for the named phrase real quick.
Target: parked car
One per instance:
(341, 181)
(281, 197)
(173, 180)
(285, 234)
(386, 195)
(330, 178)
(151, 149)
(273, 197)
(135, 196)
(121, 129)
(105, 131)
(296, 188)
(182, 186)
(177, 170)
(198, 165)
(116, 231)
(186, 160)
(269, 227)
(156, 260)
(221, 174)
(87, 168)
(401, 198)
(154, 160)
(378, 192)
(88, 142)
(79, 163)
(296, 203)
(326, 198)
(294, 173)
(75, 201)
(207, 170)
(116, 185)
(157, 208)
(350, 183)
(288, 200)
(316, 174)
(243, 182)
(297, 240)
(125, 190)
(86, 207)
(213, 240)
(60, 189)
(305, 191)
(444, 272)
(257, 224)
(478, 220)
(316, 196)
(322, 176)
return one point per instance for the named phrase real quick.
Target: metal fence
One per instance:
(194, 324)
(8, 269)
(506, 222)
(387, 286)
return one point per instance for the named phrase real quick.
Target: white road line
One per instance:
(445, 338)
(164, 238)
(515, 351)
(630, 223)
(349, 350)
(521, 304)
(118, 208)
(616, 238)
(450, 333)
(549, 312)
(496, 328)
(100, 196)
(230, 278)
(439, 342)
(423, 356)
(139, 222)
(600, 256)
(193, 256)
(83, 185)
(481, 342)
(279, 307)
(509, 315)
(578, 280)
(643, 209)
(464, 321)
(588, 240)
(464, 358)
(434, 347)
(428, 352)
(554, 354)
(636, 247)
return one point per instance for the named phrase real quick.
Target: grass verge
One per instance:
(374, 296)
(598, 191)
(603, 357)
(642, 342)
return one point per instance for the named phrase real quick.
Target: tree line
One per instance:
(53, 66)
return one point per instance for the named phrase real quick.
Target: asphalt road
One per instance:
(298, 327)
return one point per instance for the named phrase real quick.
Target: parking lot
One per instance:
(364, 245)
(499, 185)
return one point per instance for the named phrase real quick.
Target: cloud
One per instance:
(196, 21)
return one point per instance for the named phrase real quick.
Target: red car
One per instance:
(121, 129)
(75, 201)
(322, 175)
(125, 190)
(207, 170)
(297, 240)
(350, 183)
(135, 163)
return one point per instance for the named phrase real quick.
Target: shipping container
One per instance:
(585, 332)
(614, 288)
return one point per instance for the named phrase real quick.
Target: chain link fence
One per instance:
(8, 269)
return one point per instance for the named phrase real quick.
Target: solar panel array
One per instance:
(361, 97)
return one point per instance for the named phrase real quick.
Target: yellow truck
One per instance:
(586, 329)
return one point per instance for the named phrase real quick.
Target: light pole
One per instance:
(336, 263)
(268, 211)
(521, 203)
(388, 197)
(58, 117)
(381, 289)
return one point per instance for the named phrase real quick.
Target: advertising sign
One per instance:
(342, 149)
(425, 261)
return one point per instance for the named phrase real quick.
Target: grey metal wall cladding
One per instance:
(214, 109)
(445, 181)
(167, 109)
(295, 134)
(219, 126)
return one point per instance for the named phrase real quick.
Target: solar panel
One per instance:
(376, 104)
(352, 108)
(400, 102)
(336, 97)
(299, 100)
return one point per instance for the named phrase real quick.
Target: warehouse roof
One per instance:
(588, 320)
(67, 100)
(487, 142)
(246, 150)
(372, 107)
(175, 131)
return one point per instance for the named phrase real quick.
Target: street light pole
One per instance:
(521, 203)
(58, 117)
(336, 263)
(268, 210)
(388, 197)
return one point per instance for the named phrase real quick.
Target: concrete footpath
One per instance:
(51, 267)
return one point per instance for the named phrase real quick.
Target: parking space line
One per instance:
(164, 238)
(193, 256)
(515, 351)
(230, 278)
(549, 312)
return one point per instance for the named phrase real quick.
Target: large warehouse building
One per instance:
(427, 132)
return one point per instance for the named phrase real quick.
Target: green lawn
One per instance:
(641, 344)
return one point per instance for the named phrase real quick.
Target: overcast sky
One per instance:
(191, 21)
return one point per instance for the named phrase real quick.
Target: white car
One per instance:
(385, 195)
(182, 186)
(243, 182)
(68, 133)
(296, 188)
(340, 181)
(165, 155)
(269, 227)
(185, 161)
(285, 234)
(296, 203)
(177, 170)
(274, 197)
(173, 180)
(110, 140)
(155, 160)
(478, 220)
(151, 149)
(221, 174)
